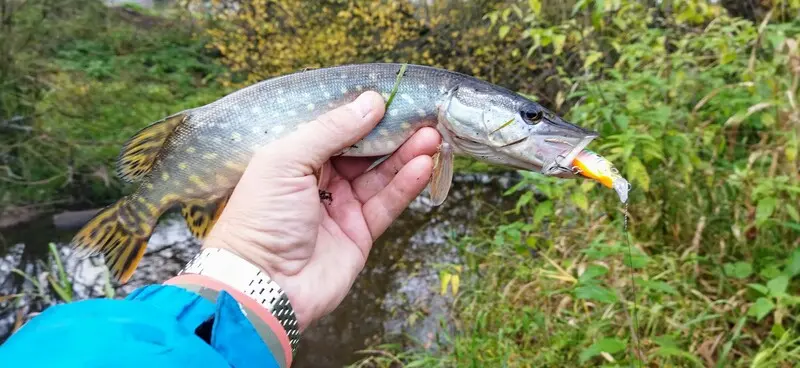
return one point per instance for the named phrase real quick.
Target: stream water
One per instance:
(397, 292)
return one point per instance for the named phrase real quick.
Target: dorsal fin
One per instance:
(140, 151)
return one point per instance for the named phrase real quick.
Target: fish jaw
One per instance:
(500, 127)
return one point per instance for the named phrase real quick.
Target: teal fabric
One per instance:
(155, 326)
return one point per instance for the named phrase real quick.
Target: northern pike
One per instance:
(194, 158)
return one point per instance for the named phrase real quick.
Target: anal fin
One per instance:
(442, 177)
(139, 153)
(201, 215)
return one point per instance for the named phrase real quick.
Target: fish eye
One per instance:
(531, 117)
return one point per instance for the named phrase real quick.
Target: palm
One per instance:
(314, 249)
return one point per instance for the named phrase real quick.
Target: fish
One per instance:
(194, 158)
(592, 165)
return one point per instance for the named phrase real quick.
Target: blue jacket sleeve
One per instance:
(156, 326)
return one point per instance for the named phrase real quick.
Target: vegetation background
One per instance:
(696, 102)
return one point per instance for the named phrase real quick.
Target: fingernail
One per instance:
(364, 104)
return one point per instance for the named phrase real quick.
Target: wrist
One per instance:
(258, 257)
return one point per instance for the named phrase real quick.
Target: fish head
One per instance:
(501, 127)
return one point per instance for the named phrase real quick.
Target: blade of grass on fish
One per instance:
(502, 126)
(396, 85)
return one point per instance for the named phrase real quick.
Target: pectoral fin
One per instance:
(442, 174)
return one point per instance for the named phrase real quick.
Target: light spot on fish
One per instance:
(164, 176)
(405, 125)
(292, 113)
(281, 100)
(199, 182)
(183, 166)
(344, 76)
(234, 166)
(442, 89)
(310, 106)
(188, 190)
(256, 130)
(421, 113)
(373, 76)
(236, 137)
(279, 91)
(406, 97)
(306, 95)
(327, 94)
(191, 150)
(222, 181)
(331, 104)
(141, 200)
(421, 86)
(278, 129)
(343, 90)
(149, 186)
(359, 87)
(384, 132)
(393, 112)
(217, 139)
(256, 110)
(210, 156)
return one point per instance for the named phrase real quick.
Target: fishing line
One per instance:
(634, 322)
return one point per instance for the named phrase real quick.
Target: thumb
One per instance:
(313, 143)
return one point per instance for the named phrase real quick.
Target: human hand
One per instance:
(315, 250)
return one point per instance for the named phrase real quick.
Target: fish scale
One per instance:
(194, 158)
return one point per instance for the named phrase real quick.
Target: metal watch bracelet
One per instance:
(229, 268)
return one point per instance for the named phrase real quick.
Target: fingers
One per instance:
(385, 206)
(424, 142)
(315, 142)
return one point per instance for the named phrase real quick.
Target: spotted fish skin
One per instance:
(194, 158)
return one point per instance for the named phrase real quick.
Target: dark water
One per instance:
(397, 292)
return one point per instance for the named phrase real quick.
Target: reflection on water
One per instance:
(396, 293)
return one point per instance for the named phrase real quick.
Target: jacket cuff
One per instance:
(267, 325)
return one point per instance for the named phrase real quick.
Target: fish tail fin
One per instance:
(120, 232)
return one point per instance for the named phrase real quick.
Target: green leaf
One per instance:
(638, 173)
(793, 266)
(605, 345)
(592, 272)
(580, 200)
(676, 352)
(792, 212)
(536, 6)
(658, 286)
(595, 292)
(524, 199)
(777, 286)
(504, 29)
(543, 210)
(764, 209)
(760, 288)
(760, 308)
(592, 58)
(738, 270)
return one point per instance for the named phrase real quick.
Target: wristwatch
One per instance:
(227, 267)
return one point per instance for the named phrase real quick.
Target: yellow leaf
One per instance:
(445, 281)
(454, 281)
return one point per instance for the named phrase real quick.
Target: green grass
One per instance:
(111, 73)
